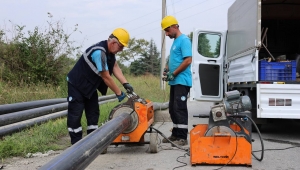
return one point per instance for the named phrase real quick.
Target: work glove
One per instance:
(121, 96)
(164, 76)
(128, 87)
(165, 71)
(169, 76)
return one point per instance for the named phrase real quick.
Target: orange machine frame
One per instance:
(145, 114)
(219, 149)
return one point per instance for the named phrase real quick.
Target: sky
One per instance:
(96, 19)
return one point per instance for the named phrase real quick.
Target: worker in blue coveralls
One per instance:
(178, 73)
(93, 71)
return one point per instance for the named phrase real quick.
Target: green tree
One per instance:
(151, 59)
(203, 45)
(38, 55)
(148, 63)
(218, 45)
(135, 48)
(124, 68)
(191, 36)
(136, 67)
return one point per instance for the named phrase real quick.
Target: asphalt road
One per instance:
(281, 140)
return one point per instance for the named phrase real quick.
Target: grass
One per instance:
(53, 135)
(10, 93)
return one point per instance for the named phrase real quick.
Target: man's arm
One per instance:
(110, 82)
(103, 71)
(119, 74)
(186, 62)
(186, 50)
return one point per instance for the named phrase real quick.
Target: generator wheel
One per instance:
(153, 142)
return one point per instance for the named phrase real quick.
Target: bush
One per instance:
(38, 56)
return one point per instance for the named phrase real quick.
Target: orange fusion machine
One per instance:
(226, 139)
(142, 117)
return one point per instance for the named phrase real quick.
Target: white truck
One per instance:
(245, 58)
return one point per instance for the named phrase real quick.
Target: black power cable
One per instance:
(281, 149)
(258, 132)
(179, 147)
(184, 164)
(236, 146)
(262, 144)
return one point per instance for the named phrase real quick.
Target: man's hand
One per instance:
(165, 71)
(164, 77)
(128, 87)
(168, 76)
(121, 96)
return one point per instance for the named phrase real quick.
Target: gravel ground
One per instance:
(35, 161)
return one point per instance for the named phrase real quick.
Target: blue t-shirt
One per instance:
(181, 48)
(100, 62)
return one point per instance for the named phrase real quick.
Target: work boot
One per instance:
(180, 142)
(171, 138)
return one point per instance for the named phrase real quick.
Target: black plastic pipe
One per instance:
(14, 117)
(16, 127)
(85, 151)
(102, 98)
(81, 154)
(9, 108)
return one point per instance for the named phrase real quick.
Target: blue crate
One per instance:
(274, 71)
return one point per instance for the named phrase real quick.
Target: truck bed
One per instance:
(247, 23)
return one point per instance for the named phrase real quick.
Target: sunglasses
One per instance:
(119, 44)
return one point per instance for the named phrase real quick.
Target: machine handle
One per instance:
(212, 60)
(201, 116)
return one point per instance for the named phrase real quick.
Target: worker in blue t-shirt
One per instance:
(178, 73)
(93, 71)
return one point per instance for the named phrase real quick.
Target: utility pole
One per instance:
(163, 48)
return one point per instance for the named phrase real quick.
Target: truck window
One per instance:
(209, 45)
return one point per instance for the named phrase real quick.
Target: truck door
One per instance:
(207, 66)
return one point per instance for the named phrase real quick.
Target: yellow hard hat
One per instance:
(168, 21)
(122, 35)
